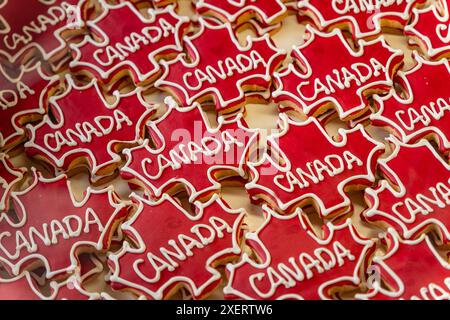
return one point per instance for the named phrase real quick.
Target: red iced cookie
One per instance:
(22, 287)
(430, 29)
(411, 270)
(40, 25)
(293, 263)
(187, 151)
(21, 99)
(364, 19)
(307, 166)
(88, 127)
(55, 227)
(181, 249)
(266, 12)
(415, 196)
(424, 108)
(217, 67)
(122, 41)
(314, 83)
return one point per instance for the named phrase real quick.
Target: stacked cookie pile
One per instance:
(136, 162)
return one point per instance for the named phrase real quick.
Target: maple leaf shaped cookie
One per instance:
(41, 25)
(314, 83)
(266, 12)
(308, 268)
(87, 127)
(216, 67)
(123, 41)
(413, 198)
(411, 269)
(21, 100)
(430, 29)
(55, 227)
(182, 249)
(9, 178)
(425, 108)
(188, 151)
(306, 166)
(364, 19)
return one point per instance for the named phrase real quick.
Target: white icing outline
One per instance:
(117, 67)
(98, 267)
(57, 34)
(55, 286)
(440, 19)
(284, 123)
(83, 152)
(51, 80)
(193, 193)
(127, 248)
(245, 8)
(38, 178)
(258, 29)
(213, 90)
(348, 18)
(254, 236)
(29, 279)
(252, 25)
(380, 101)
(380, 260)
(307, 107)
(385, 185)
(76, 282)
